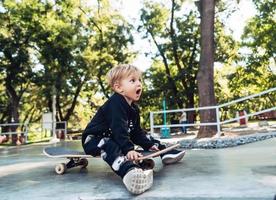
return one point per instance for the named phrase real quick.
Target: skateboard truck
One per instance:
(74, 162)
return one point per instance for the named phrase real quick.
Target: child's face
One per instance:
(130, 87)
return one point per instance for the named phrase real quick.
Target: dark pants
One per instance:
(111, 154)
(184, 128)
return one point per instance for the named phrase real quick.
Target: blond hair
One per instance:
(121, 71)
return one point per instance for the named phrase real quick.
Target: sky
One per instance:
(130, 10)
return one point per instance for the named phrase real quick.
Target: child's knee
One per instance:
(91, 146)
(110, 147)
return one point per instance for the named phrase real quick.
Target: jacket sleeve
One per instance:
(119, 126)
(140, 136)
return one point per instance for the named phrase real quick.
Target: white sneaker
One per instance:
(172, 156)
(138, 181)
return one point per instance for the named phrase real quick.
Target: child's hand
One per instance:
(154, 148)
(133, 155)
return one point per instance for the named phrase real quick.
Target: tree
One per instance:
(177, 46)
(18, 22)
(61, 44)
(259, 39)
(175, 33)
(110, 43)
(257, 71)
(205, 76)
(57, 47)
(153, 22)
(76, 50)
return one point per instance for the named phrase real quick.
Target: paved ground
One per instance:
(245, 172)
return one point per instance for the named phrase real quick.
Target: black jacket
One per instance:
(121, 122)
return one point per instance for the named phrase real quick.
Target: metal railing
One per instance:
(20, 129)
(13, 129)
(217, 108)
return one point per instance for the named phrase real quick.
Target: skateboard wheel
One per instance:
(84, 162)
(60, 168)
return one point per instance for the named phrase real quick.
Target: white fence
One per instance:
(13, 129)
(217, 108)
(23, 129)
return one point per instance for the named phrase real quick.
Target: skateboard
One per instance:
(77, 158)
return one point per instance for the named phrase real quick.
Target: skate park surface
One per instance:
(241, 173)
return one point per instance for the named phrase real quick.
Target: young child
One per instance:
(183, 120)
(115, 129)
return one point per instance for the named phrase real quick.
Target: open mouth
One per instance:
(138, 92)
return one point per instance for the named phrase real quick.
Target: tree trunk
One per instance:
(205, 76)
(191, 115)
(104, 90)
(13, 108)
(74, 102)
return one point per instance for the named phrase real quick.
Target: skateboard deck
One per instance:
(78, 158)
(61, 152)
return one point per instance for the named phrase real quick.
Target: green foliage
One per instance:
(58, 47)
(66, 48)
(18, 22)
(177, 41)
(109, 45)
(154, 16)
(259, 39)
(257, 71)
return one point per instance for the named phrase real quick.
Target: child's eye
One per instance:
(132, 80)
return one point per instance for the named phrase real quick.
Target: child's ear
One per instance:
(117, 87)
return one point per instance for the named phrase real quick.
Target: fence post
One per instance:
(151, 123)
(65, 131)
(218, 121)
